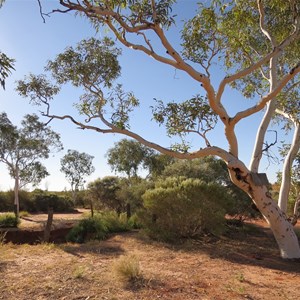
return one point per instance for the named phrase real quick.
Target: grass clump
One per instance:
(127, 269)
(24, 213)
(8, 220)
(79, 272)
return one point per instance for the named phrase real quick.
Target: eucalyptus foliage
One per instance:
(22, 149)
(6, 66)
(76, 166)
(254, 44)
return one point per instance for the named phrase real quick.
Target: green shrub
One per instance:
(184, 208)
(8, 220)
(113, 222)
(134, 222)
(98, 227)
(88, 229)
(41, 200)
(23, 213)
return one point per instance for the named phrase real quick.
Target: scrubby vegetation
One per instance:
(37, 201)
(8, 220)
(98, 227)
(184, 208)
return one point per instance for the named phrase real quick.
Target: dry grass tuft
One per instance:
(127, 269)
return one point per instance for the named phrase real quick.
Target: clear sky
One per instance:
(31, 42)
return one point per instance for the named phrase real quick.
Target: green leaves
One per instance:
(127, 156)
(6, 66)
(21, 149)
(37, 88)
(122, 105)
(76, 166)
(201, 37)
(91, 64)
(193, 115)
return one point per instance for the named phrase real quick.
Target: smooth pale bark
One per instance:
(269, 114)
(286, 172)
(282, 229)
(16, 194)
(260, 137)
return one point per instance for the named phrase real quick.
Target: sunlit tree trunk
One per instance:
(286, 172)
(279, 224)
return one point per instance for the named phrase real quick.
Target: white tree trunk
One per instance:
(260, 137)
(16, 193)
(282, 229)
(286, 172)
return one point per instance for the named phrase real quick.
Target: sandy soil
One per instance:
(37, 221)
(242, 265)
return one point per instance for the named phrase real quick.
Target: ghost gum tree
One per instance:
(21, 150)
(256, 45)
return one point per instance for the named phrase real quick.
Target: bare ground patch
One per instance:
(237, 266)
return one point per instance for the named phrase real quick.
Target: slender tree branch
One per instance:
(262, 23)
(264, 100)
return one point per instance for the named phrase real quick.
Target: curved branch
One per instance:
(262, 23)
(216, 151)
(269, 97)
(276, 51)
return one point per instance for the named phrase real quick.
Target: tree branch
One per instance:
(262, 23)
(264, 100)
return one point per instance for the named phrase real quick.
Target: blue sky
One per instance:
(31, 42)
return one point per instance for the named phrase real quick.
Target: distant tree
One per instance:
(76, 166)
(127, 156)
(105, 191)
(21, 150)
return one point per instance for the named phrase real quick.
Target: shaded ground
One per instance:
(242, 265)
(31, 228)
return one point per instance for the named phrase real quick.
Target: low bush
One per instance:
(8, 220)
(98, 227)
(184, 208)
(113, 222)
(88, 229)
(36, 201)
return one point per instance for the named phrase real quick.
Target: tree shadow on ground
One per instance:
(104, 248)
(248, 245)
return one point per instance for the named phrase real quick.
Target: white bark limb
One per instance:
(260, 136)
(282, 229)
(286, 172)
(271, 107)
